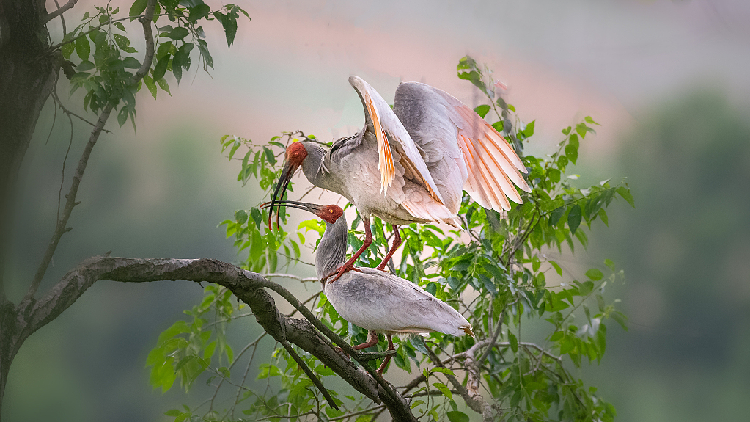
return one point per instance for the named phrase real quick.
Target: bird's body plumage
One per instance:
(382, 302)
(379, 301)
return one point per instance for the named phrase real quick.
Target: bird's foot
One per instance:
(341, 271)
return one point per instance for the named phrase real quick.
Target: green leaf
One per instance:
(84, 66)
(468, 70)
(445, 371)
(581, 129)
(161, 68)
(418, 343)
(443, 389)
(591, 121)
(456, 416)
(625, 193)
(229, 22)
(198, 12)
(594, 274)
(178, 33)
(131, 63)
(574, 218)
(482, 110)
(138, 7)
(122, 116)
(611, 265)
(124, 43)
(571, 151)
(149, 81)
(513, 342)
(529, 130)
(557, 267)
(240, 216)
(83, 48)
(67, 49)
(269, 156)
(556, 215)
(257, 217)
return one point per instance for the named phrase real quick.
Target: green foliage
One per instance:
(105, 62)
(186, 349)
(498, 272)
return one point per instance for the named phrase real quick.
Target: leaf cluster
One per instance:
(105, 61)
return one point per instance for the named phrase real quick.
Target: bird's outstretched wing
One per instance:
(391, 134)
(461, 150)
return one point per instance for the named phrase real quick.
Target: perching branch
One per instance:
(247, 286)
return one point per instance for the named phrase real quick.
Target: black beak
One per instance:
(315, 209)
(281, 185)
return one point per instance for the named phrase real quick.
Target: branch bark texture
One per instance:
(247, 286)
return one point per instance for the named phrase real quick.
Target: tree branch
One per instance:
(247, 286)
(475, 401)
(67, 6)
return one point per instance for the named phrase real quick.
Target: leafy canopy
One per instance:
(534, 321)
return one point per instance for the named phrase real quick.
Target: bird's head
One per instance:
(295, 155)
(329, 213)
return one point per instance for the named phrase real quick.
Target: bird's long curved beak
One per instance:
(281, 186)
(313, 208)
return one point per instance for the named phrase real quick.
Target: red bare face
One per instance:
(330, 213)
(295, 154)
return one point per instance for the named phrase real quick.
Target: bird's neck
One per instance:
(332, 248)
(312, 164)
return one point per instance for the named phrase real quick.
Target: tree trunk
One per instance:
(27, 76)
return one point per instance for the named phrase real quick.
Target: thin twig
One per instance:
(60, 10)
(70, 113)
(62, 223)
(310, 374)
(291, 276)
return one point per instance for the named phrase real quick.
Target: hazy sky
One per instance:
(289, 66)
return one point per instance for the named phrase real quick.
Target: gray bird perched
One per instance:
(411, 164)
(375, 300)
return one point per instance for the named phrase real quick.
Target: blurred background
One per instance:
(667, 80)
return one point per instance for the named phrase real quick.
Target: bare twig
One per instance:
(310, 374)
(291, 276)
(70, 113)
(67, 6)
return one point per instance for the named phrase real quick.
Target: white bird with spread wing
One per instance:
(411, 164)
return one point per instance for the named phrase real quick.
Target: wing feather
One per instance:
(390, 133)
(491, 165)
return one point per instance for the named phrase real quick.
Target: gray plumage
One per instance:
(379, 301)
(411, 164)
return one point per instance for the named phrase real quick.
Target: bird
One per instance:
(377, 301)
(412, 163)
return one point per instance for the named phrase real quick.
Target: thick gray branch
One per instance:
(247, 286)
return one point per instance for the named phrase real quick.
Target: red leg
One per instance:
(349, 265)
(396, 244)
(387, 358)
(372, 339)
